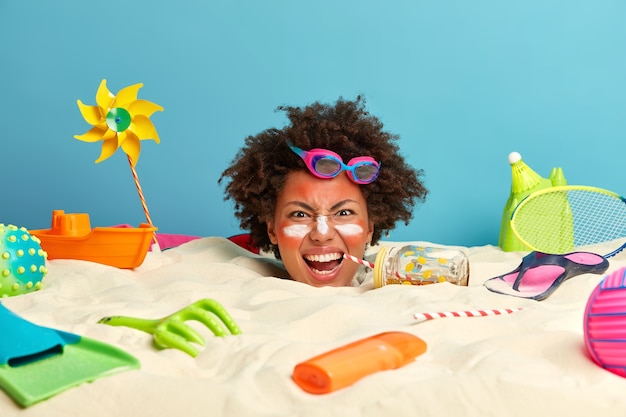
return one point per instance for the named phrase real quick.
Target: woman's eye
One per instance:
(299, 215)
(344, 212)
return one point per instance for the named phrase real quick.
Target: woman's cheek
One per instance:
(349, 230)
(294, 232)
(354, 235)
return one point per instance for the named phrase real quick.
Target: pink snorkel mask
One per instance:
(327, 164)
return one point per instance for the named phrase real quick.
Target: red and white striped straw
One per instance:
(142, 198)
(469, 313)
(358, 260)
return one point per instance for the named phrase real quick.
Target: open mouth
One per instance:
(324, 264)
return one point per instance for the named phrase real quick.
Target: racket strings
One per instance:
(597, 217)
(561, 221)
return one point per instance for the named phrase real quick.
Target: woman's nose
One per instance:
(321, 229)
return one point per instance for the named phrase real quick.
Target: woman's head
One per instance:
(267, 177)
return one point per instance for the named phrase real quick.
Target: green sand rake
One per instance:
(172, 331)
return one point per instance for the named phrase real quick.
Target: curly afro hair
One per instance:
(258, 171)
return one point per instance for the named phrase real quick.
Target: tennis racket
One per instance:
(571, 217)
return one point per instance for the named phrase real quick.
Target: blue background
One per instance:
(463, 83)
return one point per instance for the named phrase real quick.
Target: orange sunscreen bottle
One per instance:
(347, 364)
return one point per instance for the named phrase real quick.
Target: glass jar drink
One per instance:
(420, 265)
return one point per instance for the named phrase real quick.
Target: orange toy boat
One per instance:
(71, 237)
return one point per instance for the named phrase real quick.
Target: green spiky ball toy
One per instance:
(22, 261)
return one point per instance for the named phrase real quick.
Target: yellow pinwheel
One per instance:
(119, 121)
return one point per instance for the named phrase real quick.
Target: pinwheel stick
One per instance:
(142, 198)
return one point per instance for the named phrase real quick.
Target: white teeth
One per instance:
(327, 257)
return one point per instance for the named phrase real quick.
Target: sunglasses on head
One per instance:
(327, 164)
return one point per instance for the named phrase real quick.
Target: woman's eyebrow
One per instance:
(336, 206)
(300, 204)
(342, 203)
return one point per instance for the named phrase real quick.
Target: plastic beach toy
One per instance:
(22, 261)
(37, 362)
(562, 219)
(604, 324)
(347, 364)
(172, 331)
(524, 181)
(71, 237)
(121, 121)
